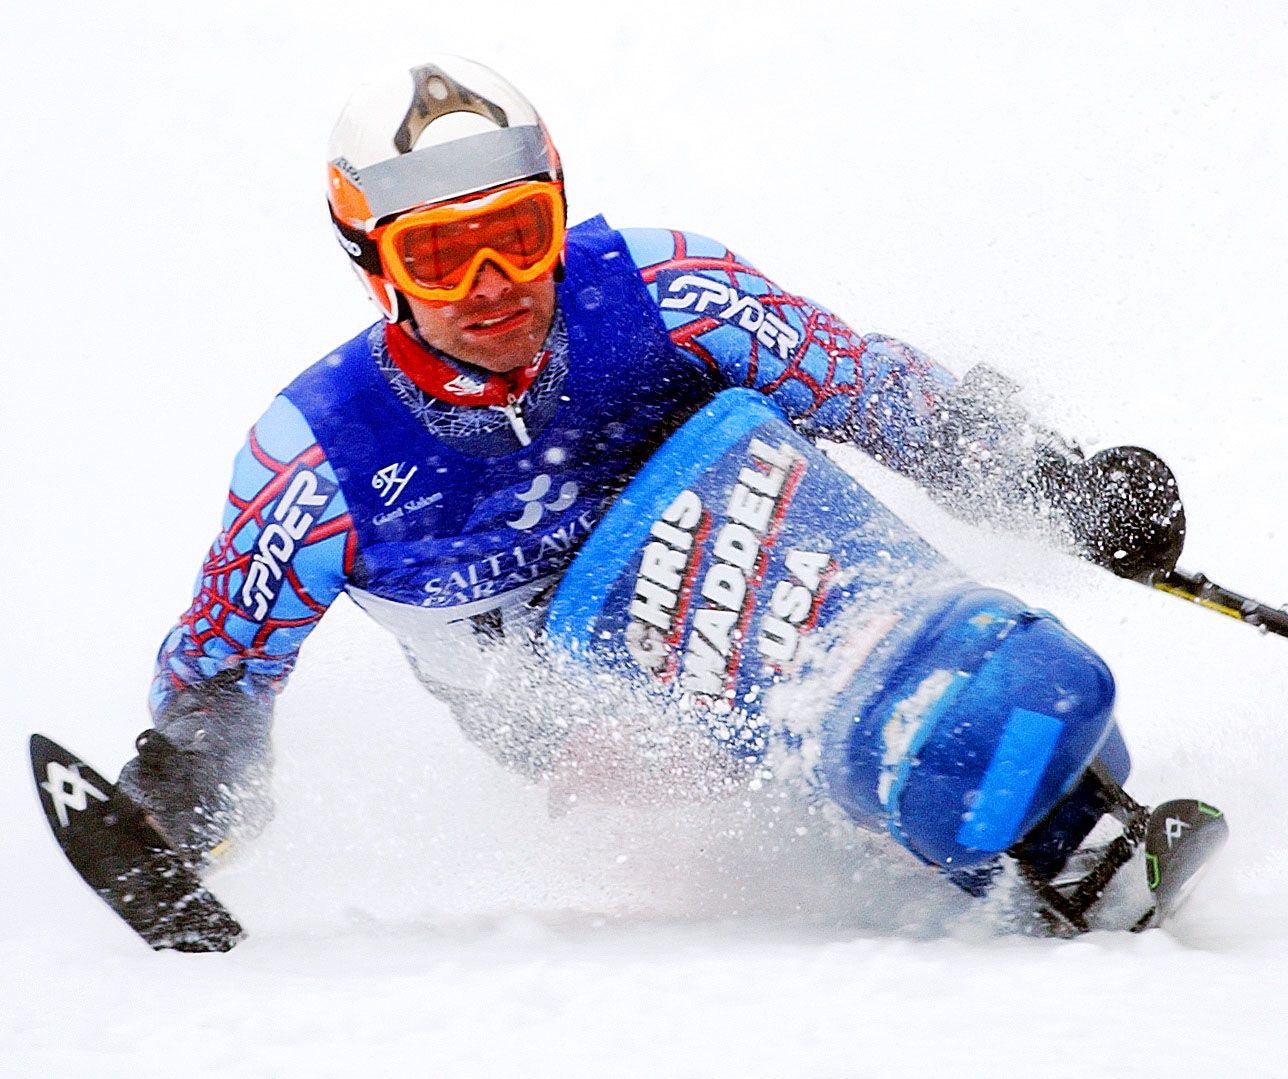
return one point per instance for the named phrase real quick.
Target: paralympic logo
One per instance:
(534, 509)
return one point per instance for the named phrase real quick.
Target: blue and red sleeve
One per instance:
(285, 552)
(827, 379)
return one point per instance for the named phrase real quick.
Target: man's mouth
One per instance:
(498, 324)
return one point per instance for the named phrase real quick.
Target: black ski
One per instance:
(110, 844)
(1180, 838)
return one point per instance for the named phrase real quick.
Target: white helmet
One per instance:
(441, 131)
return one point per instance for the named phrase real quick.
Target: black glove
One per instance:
(1122, 509)
(202, 772)
(985, 459)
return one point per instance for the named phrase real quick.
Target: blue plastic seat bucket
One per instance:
(989, 715)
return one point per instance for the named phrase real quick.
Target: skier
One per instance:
(445, 465)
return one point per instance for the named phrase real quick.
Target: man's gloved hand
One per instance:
(985, 459)
(1121, 507)
(202, 772)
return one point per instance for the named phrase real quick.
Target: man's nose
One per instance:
(490, 283)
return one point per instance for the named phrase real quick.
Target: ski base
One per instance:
(108, 841)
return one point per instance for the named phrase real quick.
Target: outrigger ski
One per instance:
(1180, 837)
(109, 842)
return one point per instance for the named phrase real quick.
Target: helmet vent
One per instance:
(436, 94)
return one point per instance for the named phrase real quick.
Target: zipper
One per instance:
(513, 409)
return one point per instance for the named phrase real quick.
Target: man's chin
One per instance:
(498, 361)
(499, 353)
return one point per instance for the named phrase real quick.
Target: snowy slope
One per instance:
(1093, 202)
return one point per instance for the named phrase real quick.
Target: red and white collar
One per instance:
(449, 381)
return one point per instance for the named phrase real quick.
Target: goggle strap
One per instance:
(357, 244)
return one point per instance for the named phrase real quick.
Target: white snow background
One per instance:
(1091, 197)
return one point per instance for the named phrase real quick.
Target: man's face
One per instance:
(499, 325)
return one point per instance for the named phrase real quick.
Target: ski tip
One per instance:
(41, 746)
(1185, 826)
(1181, 838)
(44, 749)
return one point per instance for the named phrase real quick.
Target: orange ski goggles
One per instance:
(436, 254)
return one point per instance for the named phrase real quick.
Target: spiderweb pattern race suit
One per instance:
(450, 521)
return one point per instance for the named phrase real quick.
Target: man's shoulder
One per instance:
(654, 249)
(361, 347)
(339, 374)
(692, 276)
(281, 434)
